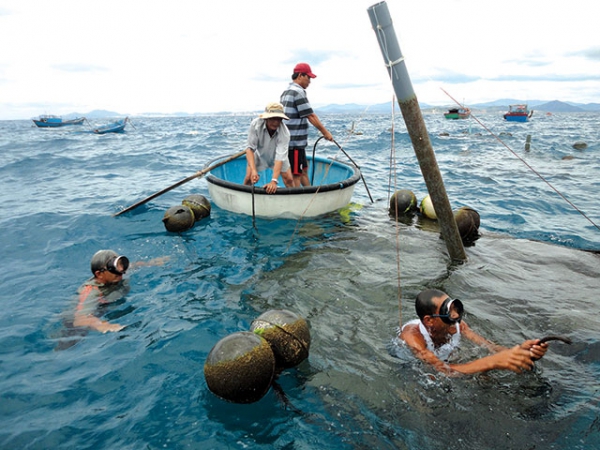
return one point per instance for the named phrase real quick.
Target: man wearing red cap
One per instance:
(298, 109)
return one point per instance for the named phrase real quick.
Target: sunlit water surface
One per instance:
(353, 275)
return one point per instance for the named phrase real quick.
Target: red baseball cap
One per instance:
(304, 68)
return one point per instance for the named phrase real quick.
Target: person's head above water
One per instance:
(436, 303)
(109, 261)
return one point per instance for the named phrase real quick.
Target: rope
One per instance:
(526, 163)
(253, 211)
(312, 180)
(326, 171)
(394, 174)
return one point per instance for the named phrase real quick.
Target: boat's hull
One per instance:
(332, 189)
(57, 122)
(457, 113)
(516, 117)
(456, 116)
(117, 127)
(518, 113)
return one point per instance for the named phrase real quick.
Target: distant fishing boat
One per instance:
(332, 181)
(115, 127)
(458, 113)
(50, 121)
(518, 113)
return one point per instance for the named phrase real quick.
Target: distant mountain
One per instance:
(497, 105)
(97, 114)
(381, 108)
(556, 106)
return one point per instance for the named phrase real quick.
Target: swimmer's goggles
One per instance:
(446, 308)
(112, 265)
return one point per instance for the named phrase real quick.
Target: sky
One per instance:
(195, 56)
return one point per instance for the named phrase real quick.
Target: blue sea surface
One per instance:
(352, 274)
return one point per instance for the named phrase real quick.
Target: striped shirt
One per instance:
(297, 108)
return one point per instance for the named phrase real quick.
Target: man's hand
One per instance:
(516, 359)
(536, 350)
(271, 188)
(110, 327)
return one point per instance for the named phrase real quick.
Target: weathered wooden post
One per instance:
(528, 143)
(411, 112)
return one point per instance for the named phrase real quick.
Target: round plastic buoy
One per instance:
(198, 204)
(178, 218)
(288, 335)
(240, 367)
(427, 208)
(403, 201)
(468, 221)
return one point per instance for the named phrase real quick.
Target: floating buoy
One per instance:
(403, 201)
(579, 145)
(427, 208)
(198, 204)
(178, 218)
(288, 335)
(467, 221)
(240, 367)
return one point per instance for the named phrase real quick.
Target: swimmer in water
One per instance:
(439, 329)
(106, 286)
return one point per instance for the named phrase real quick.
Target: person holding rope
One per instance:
(298, 109)
(268, 141)
(438, 331)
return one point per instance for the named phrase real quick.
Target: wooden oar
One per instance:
(185, 180)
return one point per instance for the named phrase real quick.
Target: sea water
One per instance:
(352, 274)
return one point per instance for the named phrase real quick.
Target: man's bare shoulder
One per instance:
(412, 336)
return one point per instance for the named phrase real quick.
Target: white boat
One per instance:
(332, 186)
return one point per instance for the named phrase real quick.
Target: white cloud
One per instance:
(193, 56)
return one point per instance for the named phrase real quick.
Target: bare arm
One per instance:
(314, 120)
(90, 321)
(153, 262)
(476, 338)
(536, 349)
(252, 175)
(516, 359)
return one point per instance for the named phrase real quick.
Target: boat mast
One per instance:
(411, 112)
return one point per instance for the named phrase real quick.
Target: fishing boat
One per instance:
(518, 113)
(332, 186)
(50, 121)
(115, 127)
(458, 113)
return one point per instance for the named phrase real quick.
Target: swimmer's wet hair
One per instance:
(424, 304)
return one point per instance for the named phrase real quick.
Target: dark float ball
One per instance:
(198, 204)
(403, 201)
(288, 334)
(240, 367)
(468, 221)
(178, 218)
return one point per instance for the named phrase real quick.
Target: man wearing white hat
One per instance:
(268, 141)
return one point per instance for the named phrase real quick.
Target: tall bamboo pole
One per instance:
(411, 112)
